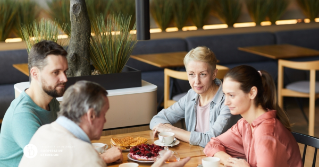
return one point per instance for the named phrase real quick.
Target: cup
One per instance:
(210, 162)
(129, 164)
(99, 147)
(166, 137)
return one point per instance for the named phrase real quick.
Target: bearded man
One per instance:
(37, 105)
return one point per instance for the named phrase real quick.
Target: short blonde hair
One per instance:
(201, 53)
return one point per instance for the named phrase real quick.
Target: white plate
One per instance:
(140, 161)
(159, 143)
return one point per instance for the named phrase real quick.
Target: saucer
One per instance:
(159, 143)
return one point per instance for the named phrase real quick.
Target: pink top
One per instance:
(202, 118)
(268, 144)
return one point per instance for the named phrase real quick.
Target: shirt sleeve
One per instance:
(170, 115)
(229, 142)
(24, 125)
(223, 122)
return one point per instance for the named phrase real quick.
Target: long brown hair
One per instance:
(248, 77)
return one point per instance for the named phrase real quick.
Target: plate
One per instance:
(140, 161)
(159, 143)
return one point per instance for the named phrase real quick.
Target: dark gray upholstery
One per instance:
(10, 75)
(6, 97)
(308, 38)
(226, 50)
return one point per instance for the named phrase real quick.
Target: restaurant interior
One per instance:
(154, 73)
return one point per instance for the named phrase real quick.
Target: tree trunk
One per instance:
(78, 56)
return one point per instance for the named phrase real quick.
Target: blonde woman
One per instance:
(262, 137)
(203, 107)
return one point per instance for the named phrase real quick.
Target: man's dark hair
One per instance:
(40, 50)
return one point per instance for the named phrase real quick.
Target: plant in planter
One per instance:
(8, 12)
(38, 31)
(181, 11)
(258, 10)
(28, 12)
(228, 11)
(161, 11)
(60, 13)
(310, 8)
(199, 12)
(112, 43)
(126, 7)
(278, 8)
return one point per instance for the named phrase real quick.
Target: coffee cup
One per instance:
(211, 162)
(166, 137)
(99, 147)
(129, 164)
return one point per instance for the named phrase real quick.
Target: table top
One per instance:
(22, 67)
(283, 51)
(183, 149)
(162, 60)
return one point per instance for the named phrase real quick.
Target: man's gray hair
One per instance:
(81, 97)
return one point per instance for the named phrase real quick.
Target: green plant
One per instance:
(310, 8)
(278, 8)
(200, 12)
(126, 7)
(60, 13)
(258, 10)
(181, 11)
(8, 12)
(112, 43)
(27, 13)
(37, 31)
(161, 11)
(96, 8)
(227, 11)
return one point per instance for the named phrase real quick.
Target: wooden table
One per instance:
(183, 149)
(283, 51)
(22, 67)
(162, 60)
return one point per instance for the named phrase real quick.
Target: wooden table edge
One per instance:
(257, 53)
(20, 69)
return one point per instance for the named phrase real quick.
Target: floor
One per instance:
(300, 125)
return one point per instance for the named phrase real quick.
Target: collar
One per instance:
(73, 128)
(267, 115)
(218, 96)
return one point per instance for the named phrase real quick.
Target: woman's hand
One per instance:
(235, 162)
(160, 128)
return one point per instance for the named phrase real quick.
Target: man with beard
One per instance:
(37, 105)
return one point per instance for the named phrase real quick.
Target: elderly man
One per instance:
(36, 105)
(66, 142)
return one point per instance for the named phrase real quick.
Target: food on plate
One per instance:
(127, 142)
(145, 152)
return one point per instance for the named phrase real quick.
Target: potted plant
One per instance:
(161, 11)
(8, 12)
(181, 10)
(258, 10)
(278, 8)
(310, 8)
(228, 11)
(199, 13)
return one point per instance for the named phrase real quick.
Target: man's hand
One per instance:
(235, 162)
(161, 162)
(113, 154)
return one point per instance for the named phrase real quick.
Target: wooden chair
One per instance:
(308, 141)
(300, 88)
(182, 75)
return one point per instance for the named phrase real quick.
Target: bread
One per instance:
(127, 142)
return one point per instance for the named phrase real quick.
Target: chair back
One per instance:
(182, 75)
(307, 141)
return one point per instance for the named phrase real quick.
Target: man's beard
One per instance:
(53, 91)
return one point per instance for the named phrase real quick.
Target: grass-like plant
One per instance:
(112, 43)
(60, 13)
(126, 7)
(181, 11)
(310, 8)
(200, 12)
(277, 9)
(96, 8)
(162, 12)
(8, 12)
(258, 10)
(38, 31)
(228, 11)
(28, 12)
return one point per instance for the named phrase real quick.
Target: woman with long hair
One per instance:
(263, 136)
